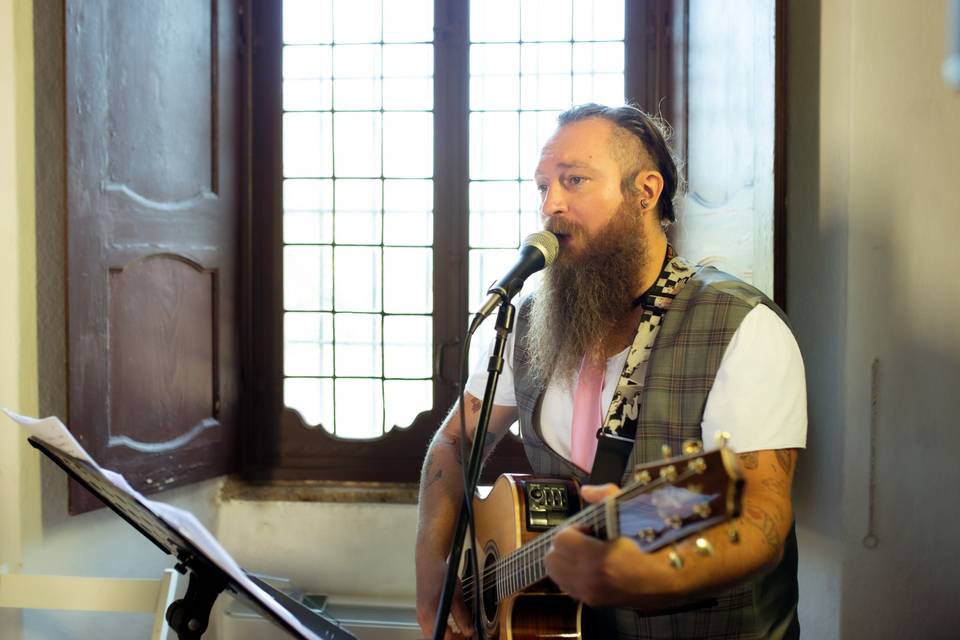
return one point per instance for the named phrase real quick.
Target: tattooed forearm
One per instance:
(750, 460)
(768, 525)
(432, 467)
(785, 460)
(430, 475)
(475, 404)
(489, 443)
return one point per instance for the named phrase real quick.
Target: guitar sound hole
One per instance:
(490, 600)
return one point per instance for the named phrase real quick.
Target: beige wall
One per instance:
(36, 534)
(874, 220)
(17, 307)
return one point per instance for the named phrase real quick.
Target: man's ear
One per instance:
(649, 185)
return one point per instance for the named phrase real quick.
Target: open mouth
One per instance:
(564, 231)
(564, 239)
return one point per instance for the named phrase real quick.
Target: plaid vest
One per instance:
(680, 372)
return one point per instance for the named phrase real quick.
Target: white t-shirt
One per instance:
(759, 394)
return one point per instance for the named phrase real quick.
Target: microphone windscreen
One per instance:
(547, 243)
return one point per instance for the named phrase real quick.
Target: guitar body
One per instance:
(535, 616)
(514, 513)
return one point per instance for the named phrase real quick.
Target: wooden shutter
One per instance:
(153, 117)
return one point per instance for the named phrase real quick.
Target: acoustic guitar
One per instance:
(515, 524)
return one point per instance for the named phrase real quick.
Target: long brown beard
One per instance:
(583, 298)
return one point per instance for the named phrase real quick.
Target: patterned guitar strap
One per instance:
(619, 430)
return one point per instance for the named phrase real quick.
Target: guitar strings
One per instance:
(514, 565)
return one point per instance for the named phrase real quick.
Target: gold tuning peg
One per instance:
(647, 535)
(722, 438)
(733, 535)
(675, 560)
(669, 474)
(704, 548)
(692, 447)
(665, 451)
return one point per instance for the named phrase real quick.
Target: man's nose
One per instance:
(553, 202)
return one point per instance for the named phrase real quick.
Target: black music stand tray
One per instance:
(189, 616)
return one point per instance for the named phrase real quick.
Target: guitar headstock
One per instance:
(679, 496)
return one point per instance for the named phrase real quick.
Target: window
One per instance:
(528, 62)
(358, 213)
(392, 153)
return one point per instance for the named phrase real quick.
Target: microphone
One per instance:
(539, 250)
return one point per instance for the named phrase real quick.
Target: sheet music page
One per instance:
(54, 433)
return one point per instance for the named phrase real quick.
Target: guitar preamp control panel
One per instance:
(549, 502)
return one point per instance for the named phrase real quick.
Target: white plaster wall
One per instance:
(874, 216)
(336, 549)
(817, 186)
(904, 309)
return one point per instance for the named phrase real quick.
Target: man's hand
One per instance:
(429, 586)
(592, 571)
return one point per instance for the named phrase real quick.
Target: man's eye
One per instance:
(576, 180)
(542, 188)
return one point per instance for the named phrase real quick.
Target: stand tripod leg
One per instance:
(190, 616)
(165, 597)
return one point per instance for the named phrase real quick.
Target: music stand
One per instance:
(190, 616)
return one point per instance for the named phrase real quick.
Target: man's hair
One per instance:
(652, 133)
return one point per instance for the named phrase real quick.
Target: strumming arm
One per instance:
(617, 573)
(441, 491)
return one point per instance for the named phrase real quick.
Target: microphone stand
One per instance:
(504, 326)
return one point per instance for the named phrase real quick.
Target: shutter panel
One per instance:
(153, 117)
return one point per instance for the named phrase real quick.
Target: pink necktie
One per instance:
(587, 414)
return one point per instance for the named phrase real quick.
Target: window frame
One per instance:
(275, 444)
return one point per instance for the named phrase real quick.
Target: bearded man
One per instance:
(619, 319)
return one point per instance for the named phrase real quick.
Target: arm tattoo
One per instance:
(453, 442)
(785, 459)
(475, 405)
(750, 460)
(775, 486)
(769, 526)
(429, 477)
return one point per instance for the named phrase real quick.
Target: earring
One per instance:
(644, 204)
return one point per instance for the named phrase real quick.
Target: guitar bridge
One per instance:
(549, 502)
